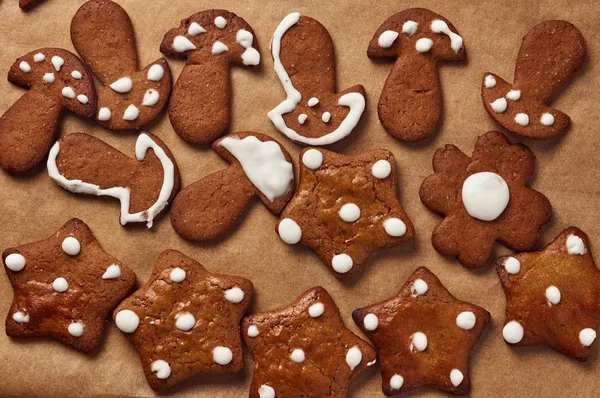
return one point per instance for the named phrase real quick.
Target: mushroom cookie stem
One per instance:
(260, 166)
(550, 54)
(145, 185)
(102, 34)
(410, 105)
(313, 113)
(210, 41)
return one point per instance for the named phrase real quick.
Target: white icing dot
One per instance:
(20, 317)
(514, 95)
(326, 117)
(39, 57)
(490, 81)
(177, 275)
(553, 295)
(195, 29)
(499, 105)
(394, 227)
(127, 321)
(82, 98)
(104, 114)
(289, 231)
(76, 75)
(381, 169)
(485, 195)
(387, 38)
(60, 285)
(250, 56)
(71, 246)
(513, 332)
(547, 119)
(373, 362)
(48, 78)
(575, 245)
(418, 341)
(112, 272)
(349, 212)
(316, 310)
(456, 377)
(302, 118)
(297, 355)
(423, 45)
(68, 92)
(58, 62)
(312, 101)
(253, 331)
(234, 295)
(185, 321)
(466, 320)
(439, 26)
(15, 262)
(313, 159)
(353, 357)
(512, 265)
(182, 44)
(156, 73)
(410, 27)
(419, 288)
(220, 22)
(222, 355)
(161, 369)
(25, 67)
(131, 113)
(342, 263)
(123, 85)
(587, 337)
(219, 47)
(522, 119)
(396, 382)
(266, 391)
(244, 38)
(371, 321)
(151, 97)
(76, 329)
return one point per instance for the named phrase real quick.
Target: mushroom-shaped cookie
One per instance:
(102, 34)
(260, 166)
(313, 113)
(484, 198)
(410, 106)
(145, 184)
(64, 286)
(57, 80)
(210, 41)
(549, 55)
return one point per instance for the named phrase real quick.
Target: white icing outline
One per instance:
(143, 143)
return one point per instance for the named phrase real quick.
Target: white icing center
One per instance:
(587, 337)
(342, 263)
(112, 272)
(182, 44)
(218, 48)
(512, 265)
(234, 295)
(39, 57)
(75, 329)
(349, 212)
(266, 391)
(353, 357)
(466, 320)
(220, 22)
(185, 321)
(195, 29)
(131, 113)
(490, 81)
(177, 275)
(439, 26)
(222, 355)
(151, 97)
(547, 119)
(60, 285)
(522, 119)
(76, 75)
(418, 342)
(396, 382)
(297, 355)
(513, 332)
(289, 231)
(514, 95)
(371, 322)
(71, 246)
(15, 262)
(123, 85)
(68, 92)
(250, 56)
(553, 295)
(316, 310)
(485, 195)
(25, 67)
(253, 331)
(326, 117)
(48, 78)
(456, 377)
(575, 245)
(499, 105)
(381, 169)
(156, 73)
(387, 38)
(313, 159)
(20, 317)
(394, 227)
(161, 369)
(127, 321)
(410, 28)
(104, 114)
(57, 62)
(419, 288)
(423, 45)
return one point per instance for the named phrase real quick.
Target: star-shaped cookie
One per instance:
(345, 208)
(304, 350)
(185, 321)
(553, 296)
(64, 287)
(423, 336)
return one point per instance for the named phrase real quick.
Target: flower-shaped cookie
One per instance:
(553, 296)
(484, 198)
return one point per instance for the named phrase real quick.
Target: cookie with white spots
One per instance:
(313, 113)
(185, 321)
(259, 167)
(410, 105)
(550, 54)
(130, 98)
(64, 287)
(553, 296)
(210, 41)
(484, 198)
(145, 184)
(423, 336)
(304, 350)
(30, 126)
(345, 208)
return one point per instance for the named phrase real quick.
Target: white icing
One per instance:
(312, 158)
(349, 212)
(355, 101)
(220, 22)
(195, 29)
(250, 56)
(302, 118)
(143, 143)
(353, 357)
(266, 391)
(151, 97)
(316, 310)
(342, 263)
(48, 78)
(396, 382)
(182, 44)
(234, 295)
(439, 26)
(373, 362)
(423, 45)
(177, 275)
(466, 320)
(522, 119)
(575, 245)
(39, 57)
(123, 85)
(71, 246)
(222, 355)
(289, 231)
(513, 332)
(131, 113)
(161, 369)
(75, 329)
(387, 38)
(60, 285)
(297, 355)
(419, 288)
(371, 322)
(104, 114)
(264, 164)
(82, 98)
(253, 331)
(553, 295)
(410, 27)
(326, 117)
(58, 62)
(456, 377)
(587, 337)
(514, 95)
(68, 92)
(218, 48)
(76, 75)
(499, 105)
(418, 342)
(394, 227)
(127, 321)
(112, 272)
(20, 317)
(313, 101)
(185, 321)
(512, 265)
(547, 119)
(25, 67)
(156, 73)
(490, 81)
(15, 262)
(485, 195)
(381, 169)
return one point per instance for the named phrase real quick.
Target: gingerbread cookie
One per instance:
(553, 296)
(304, 350)
(423, 336)
(57, 80)
(102, 34)
(210, 41)
(145, 185)
(259, 166)
(550, 54)
(185, 321)
(313, 112)
(484, 198)
(64, 287)
(410, 105)
(345, 208)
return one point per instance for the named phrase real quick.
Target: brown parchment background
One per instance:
(33, 207)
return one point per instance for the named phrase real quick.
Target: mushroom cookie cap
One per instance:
(56, 80)
(102, 34)
(550, 54)
(210, 41)
(313, 112)
(410, 105)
